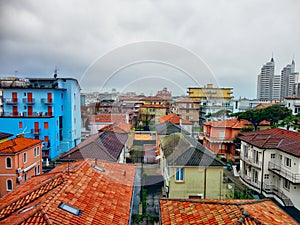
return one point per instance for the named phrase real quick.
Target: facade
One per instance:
(188, 110)
(209, 92)
(43, 108)
(205, 212)
(102, 120)
(20, 159)
(288, 79)
(265, 81)
(219, 137)
(189, 170)
(84, 192)
(270, 164)
(293, 103)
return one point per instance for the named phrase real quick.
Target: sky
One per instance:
(145, 45)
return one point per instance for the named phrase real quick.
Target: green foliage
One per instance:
(273, 114)
(240, 194)
(247, 129)
(144, 199)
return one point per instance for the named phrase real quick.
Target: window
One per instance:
(8, 163)
(70, 209)
(286, 184)
(179, 174)
(25, 176)
(38, 151)
(25, 157)
(20, 125)
(222, 134)
(288, 162)
(9, 185)
(273, 156)
(46, 125)
(267, 176)
(37, 170)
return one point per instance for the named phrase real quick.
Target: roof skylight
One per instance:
(97, 168)
(70, 209)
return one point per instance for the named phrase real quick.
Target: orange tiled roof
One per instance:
(109, 118)
(117, 128)
(233, 123)
(229, 212)
(17, 144)
(173, 118)
(103, 197)
(276, 138)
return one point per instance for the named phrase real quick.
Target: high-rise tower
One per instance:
(288, 79)
(265, 81)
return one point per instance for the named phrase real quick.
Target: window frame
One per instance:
(179, 174)
(12, 187)
(6, 167)
(25, 157)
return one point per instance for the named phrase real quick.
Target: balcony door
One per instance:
(29, 110)
(29, 97)
(14, 97)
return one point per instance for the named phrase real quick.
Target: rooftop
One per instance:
(180, 211)
(284, 140)
(233, 123)
(106, 146)
(88, 192)
(17, 144)
(173, 118)
(109, 118)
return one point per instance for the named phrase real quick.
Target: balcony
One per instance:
(279, 170)
(47, 101)
(11, 101)
(29, 101)
(251, 161)
(35, 131)
(273, 189)
(25, 114)
(249, 180)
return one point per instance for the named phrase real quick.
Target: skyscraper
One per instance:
(276, 87)
(265, 81)
(288, 79)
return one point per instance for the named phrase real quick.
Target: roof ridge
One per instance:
(29, 196)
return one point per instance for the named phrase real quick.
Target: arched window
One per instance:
(9, 185)
(8, 163)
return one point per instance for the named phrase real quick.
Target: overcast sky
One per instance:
(107, 44)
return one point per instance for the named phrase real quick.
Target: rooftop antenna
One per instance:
(55, 73)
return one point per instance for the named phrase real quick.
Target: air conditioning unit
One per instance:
(19, 178)
(19, 170)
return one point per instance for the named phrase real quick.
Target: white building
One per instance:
(293, 103)
(270, 164)
(288, 79)
(265, 81)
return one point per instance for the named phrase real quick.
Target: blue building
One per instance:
(43, 108)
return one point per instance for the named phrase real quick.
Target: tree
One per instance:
(273, 114)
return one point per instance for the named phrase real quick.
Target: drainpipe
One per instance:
(262, 171)
(204, 195)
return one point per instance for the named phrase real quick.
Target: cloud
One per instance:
(233, 37)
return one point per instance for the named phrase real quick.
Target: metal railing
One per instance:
(278, 169)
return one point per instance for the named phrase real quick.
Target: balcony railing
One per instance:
(278, 169)
(251, 161)
(29, 101)
(35, 131)
(25, 114)
(11, 101)
(249, 180)
(273, 189)
(47, 101)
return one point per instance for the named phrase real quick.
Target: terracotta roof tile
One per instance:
(17, 144)
(173, 118)
(103, 197)
(284, 140)
(109, 118)
(244, 212)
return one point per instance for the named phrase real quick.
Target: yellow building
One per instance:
(189, 171)
(208, 92)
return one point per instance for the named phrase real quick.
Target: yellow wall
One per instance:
(194, 183)
(202, 93)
